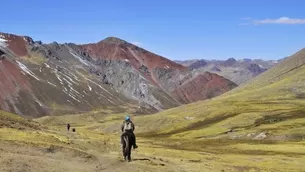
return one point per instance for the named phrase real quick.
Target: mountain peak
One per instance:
(231, 59)
(114, 40)
(198, 64)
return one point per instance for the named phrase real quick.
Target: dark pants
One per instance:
(132, 135)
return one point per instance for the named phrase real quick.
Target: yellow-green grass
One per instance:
(35, 58)
(216, 153)
(187, 153)
(246, 107)
(282, 148)
(208, 119)
(41, 137)
(14, 121)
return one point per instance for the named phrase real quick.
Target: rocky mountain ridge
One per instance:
(238, 71)
(42, 79)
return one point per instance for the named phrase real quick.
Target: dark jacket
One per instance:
(123, 125)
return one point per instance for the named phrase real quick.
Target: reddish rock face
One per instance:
(15, 43)
(203, 86)
(144, 61)
(116, 49)
(12, 80)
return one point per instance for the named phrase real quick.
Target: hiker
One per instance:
(128, 126)
(68, 127)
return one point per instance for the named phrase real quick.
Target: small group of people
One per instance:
(127, 126)
(69, 126)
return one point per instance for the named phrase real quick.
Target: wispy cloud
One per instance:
(137, 43)
(281, 20)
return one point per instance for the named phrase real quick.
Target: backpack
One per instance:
(128, 126)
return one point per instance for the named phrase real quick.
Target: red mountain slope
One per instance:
(144, 61)
(203, 86)
(12, 81)
(116, 49)
(15, 43)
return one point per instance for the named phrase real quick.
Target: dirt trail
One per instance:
(82, 154)
(16, 157)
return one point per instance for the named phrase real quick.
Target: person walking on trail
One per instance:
(68, 127)
(128, 126)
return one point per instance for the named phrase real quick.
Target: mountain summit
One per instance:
(114, 40)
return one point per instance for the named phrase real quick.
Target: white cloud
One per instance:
(281, 20)
(137, 43)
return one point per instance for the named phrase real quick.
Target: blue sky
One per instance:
(209, 29)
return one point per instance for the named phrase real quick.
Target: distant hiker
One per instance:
(128, 127)
(68, 127)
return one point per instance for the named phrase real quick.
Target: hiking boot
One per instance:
(135, 146)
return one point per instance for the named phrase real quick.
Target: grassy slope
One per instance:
(275, 98)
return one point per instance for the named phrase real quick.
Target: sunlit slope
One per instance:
(97, 129)
(286, 76)
(9, 120)
(269, 107)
